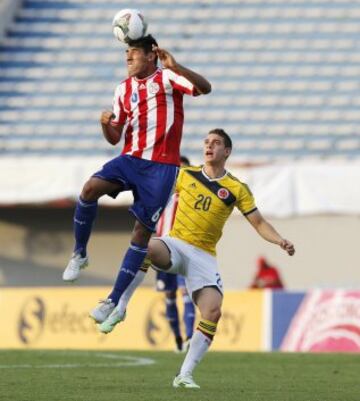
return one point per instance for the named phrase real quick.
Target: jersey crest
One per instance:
(223, 193)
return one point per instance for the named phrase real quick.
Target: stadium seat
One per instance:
(284, 75)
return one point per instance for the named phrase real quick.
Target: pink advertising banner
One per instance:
(326, 321)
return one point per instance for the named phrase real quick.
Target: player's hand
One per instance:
(106, 117)
(287, 246)
(167, 59)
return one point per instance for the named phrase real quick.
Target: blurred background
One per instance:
(285, 78)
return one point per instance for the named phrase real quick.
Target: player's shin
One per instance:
(138, 279)
(131, 264)
(84, 216)
(199, 344)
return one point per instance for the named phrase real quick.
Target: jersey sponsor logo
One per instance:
(192, 185)
(223, 193)
(134, 97)
(154, 88)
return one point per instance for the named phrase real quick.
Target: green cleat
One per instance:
(185, 381)
(109, 324)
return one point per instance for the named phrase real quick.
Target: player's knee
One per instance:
(140, 235)
(89, 191)
(154, 255)
(213, 313)
(159, 255)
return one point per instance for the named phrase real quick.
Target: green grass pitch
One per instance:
(147, 376)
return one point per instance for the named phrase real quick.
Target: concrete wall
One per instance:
(36, 242)
(327, 249)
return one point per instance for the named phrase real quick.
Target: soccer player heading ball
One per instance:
(206, 197)
(148, 110)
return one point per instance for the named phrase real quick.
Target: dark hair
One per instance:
(146, 43)
(184, 160)
(224, 135)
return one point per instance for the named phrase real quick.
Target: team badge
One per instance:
(223, 193)
(154, 88)
(134, 97)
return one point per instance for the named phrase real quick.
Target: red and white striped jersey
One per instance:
(152, 113)
(166, 220)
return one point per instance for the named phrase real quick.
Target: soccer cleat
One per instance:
(109, 324)
(101, 312)
(76, 263)
(185, 381)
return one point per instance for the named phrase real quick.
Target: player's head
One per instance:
(217, 146)
(140, 57)
(184, 161)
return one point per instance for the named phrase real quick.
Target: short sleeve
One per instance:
(118, 109)
(180, 83)
(246, 200)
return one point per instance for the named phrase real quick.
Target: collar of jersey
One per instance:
(213, 179)
(146, 78)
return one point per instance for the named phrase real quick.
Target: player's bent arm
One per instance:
(111, 133)
(201, 84)
(268, 232)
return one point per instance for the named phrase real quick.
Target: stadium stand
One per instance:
(284, 74)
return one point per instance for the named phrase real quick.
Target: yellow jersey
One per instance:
(205, 204)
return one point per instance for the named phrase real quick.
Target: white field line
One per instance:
(119, 362)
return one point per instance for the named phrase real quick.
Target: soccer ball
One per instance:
(129, 24)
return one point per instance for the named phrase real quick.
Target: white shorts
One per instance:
(197, 266)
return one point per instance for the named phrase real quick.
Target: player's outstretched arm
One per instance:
(268, 232)
(201, 84)
(111, 133)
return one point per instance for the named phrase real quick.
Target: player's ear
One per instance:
(227, 152)
(151, 56)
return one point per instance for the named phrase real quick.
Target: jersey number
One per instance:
(203, 203)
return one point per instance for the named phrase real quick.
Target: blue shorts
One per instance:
(151, 183)
(169, 282)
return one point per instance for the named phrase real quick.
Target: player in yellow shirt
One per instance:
(205, 205)
(207, 196)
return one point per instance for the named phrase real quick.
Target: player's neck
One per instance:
(214, 171)
(147, 73)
